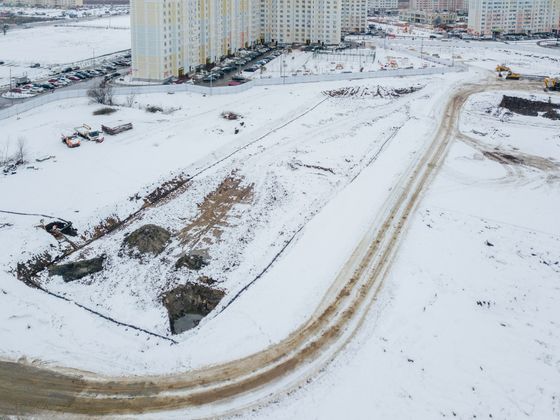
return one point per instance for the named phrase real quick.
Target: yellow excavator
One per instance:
(552, 84)
(509, 75)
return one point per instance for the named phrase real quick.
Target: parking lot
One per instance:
(109, 69)
(230, 71)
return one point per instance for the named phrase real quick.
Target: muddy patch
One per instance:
(188, 304)
(530, 108)
(503, 158)
(214, 211)
(524, 159)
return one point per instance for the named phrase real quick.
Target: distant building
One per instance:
(383, 4)
(173, 37)
(424, 17)
(439, 5)
(64, 4)
(513, 16)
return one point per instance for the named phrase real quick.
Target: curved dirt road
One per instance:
(28, 389)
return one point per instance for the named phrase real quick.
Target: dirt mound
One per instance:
(187, 305)
(77, 270)
(149, 239)
(192, 261)
(530, 108)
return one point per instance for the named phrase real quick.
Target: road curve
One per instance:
(26, 389)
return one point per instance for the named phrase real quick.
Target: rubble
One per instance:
(191, 261)
(76, 270)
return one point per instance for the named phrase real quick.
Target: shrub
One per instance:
(104, 111)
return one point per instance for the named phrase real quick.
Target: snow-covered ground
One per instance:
(468, 324)
(523, 57)
(55, 45)
(300, 63)
(296, 172)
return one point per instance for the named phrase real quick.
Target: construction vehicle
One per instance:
(86, 132)
(71, 140)
(552, 84)
(506, 73)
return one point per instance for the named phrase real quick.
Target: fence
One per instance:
(64, 94)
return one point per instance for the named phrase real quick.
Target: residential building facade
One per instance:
(63, 4)
(383, 4)
(439, 5)
(513, 16)
(173, 37)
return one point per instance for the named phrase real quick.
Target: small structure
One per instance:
(116, 129)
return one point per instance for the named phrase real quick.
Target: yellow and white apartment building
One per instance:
(172, 37)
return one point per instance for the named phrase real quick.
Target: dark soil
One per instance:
(191, 261)
(190, 299)
(530, 108)
(149, 239)
(77, 270)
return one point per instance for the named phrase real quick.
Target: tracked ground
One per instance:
(27, 389)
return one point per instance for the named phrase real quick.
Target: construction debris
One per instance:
(371, 92)
(228, 115)
(116, 129)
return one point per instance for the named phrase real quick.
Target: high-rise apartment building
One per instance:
(172, 37)
(513, 16)
(383, 4)
(439, 5)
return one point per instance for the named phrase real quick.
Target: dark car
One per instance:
(47, 86)
(67, 70)
(210, 78)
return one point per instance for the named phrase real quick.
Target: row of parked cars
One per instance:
(245, 57)
(70, 75)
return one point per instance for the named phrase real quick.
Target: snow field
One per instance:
(295, 282)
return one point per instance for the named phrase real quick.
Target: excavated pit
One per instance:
(188, 304)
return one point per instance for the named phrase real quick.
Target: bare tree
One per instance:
(102, 93)
(130, 98)
(5, 154)
(21, 151)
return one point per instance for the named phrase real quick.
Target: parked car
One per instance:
(210, 78)
(251, 69)
(238, 78)
(73, 78)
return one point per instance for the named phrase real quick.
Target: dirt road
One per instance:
(228, 387)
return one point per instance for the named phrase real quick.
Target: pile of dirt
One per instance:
(149, 239)
(530, 108)
(192, 261)
(77, 270)
(372, 92)
(187, 305)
